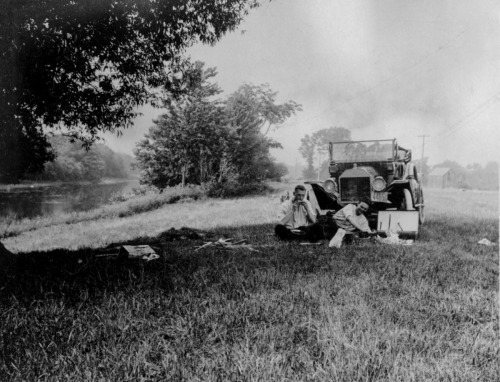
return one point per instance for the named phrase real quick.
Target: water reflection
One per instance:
(47, 200)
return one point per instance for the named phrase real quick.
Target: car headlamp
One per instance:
(329, 185)
(378, 184)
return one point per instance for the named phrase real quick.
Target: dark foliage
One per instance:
(231, 189)
(86, 65)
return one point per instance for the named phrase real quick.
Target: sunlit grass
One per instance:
(132, 205)
(202, 214)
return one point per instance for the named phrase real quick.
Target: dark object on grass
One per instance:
(364, 235)
(129, 252)
(7, 259)
(183, 233)
(138, 252)
(312, 233)
(4, 251)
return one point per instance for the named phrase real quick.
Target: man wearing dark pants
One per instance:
(297, 219)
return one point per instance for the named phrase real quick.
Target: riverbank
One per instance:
(53, 200)
(30, 184)
(125, 205)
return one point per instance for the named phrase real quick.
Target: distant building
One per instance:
(442, 177)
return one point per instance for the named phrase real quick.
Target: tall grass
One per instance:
(364, 312)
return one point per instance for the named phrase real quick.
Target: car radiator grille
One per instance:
(353, 189)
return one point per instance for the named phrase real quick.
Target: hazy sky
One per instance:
(381, 68)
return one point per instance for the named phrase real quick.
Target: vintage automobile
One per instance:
(379, 170)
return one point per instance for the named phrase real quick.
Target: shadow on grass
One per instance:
(90, 273)
(76, 276)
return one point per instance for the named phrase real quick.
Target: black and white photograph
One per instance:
(249, 190)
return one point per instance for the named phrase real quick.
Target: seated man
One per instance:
(297, 219)
(350, 218)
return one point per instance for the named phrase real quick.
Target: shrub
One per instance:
(117, 197)
(232, 189)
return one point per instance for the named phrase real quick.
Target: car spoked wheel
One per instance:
(406, 202)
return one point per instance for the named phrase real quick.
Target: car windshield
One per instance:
(362, 151)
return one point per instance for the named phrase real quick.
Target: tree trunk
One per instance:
(201, 166)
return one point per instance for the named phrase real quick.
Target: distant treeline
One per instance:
(474, 176)
(74, 163)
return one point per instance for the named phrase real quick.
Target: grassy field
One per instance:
(364, 312)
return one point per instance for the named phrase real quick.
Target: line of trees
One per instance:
(75, 163)
(315, 146)
(204, 139)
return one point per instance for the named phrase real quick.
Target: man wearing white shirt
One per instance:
(296, 218)
(352, 218)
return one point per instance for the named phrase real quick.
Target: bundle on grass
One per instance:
(228, 244)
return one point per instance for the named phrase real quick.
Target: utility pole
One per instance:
(422, 161)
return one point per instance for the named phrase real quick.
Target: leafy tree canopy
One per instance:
(185, 143)
(85, 65)
(319, 140)
(252, 112)
(202, 139)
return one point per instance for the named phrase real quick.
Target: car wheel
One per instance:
(407, 202)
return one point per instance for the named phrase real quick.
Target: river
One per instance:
(32, 201)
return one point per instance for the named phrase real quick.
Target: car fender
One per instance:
(325, 199)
